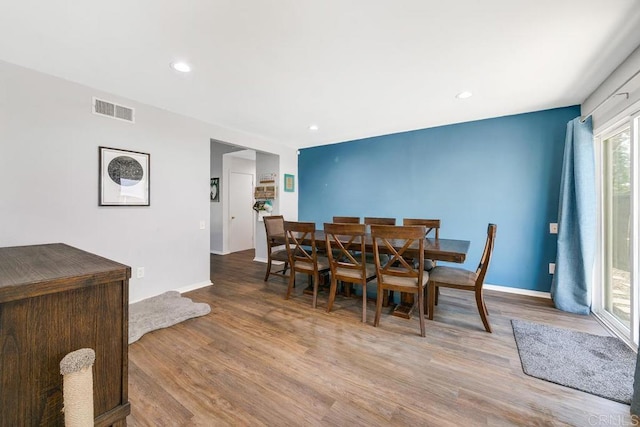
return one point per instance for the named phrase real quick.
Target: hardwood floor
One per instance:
(258, 359)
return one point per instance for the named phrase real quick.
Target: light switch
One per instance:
(553, 228)
(552, 268)
(203, 224)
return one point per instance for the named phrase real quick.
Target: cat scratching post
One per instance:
(77, 387)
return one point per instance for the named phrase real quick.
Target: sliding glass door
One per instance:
(617, 225)
(617, 294)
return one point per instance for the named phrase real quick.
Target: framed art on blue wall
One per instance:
(289, 183)
(123, 178)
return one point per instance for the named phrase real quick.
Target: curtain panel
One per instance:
(571, 285)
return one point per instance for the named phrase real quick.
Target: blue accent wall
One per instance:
(504, 170)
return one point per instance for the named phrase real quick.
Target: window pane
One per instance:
(617, 232)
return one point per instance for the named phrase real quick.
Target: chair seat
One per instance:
(454, 276)
(355, 274)
(405, 282)
(280, 255)
(429, 264)
(323, 265)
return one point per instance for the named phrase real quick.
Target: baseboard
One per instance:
(220, 252)
(194, 286)
(518, 291)
(264, 260)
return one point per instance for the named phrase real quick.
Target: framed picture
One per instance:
(289, 183)
(124, 178)
(215, 189)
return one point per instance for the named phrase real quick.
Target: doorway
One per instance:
(227, 158)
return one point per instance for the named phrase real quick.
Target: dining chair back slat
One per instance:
(379, 221)
(483, 265)
(430, 224)
(346, 220)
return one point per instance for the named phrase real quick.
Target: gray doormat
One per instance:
(599, 365)
(162, 311)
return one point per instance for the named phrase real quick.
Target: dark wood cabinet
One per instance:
(55, 299)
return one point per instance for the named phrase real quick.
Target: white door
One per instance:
(240, 212)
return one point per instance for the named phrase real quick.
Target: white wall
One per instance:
(216, 208)
(288, 202)
(285, 204)
(49, 179)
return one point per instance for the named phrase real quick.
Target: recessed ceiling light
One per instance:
(463, 95)
(313, 128)
(183, 67)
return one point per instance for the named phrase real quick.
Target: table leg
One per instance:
(387, 298)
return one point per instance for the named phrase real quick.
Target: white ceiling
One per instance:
(356, 68)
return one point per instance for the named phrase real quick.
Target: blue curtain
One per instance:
(571, 285)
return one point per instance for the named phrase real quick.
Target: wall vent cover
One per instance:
(113, 110)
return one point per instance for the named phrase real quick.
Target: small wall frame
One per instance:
(215, 189)
(289, 183)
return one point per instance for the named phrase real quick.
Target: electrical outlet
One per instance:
(553, 228)
(552, 268)
(140, 272)
(202, 225)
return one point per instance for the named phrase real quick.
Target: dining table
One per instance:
(449, 250)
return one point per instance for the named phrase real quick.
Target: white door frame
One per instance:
(630, 337)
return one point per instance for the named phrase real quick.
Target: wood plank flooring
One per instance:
(260, 360)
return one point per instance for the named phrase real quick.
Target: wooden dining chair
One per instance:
(433, 229)
(399, 273)
(346, 250)
(304, 258)
(459, 278)
(346, 220)
(276, 251)
(388, 295)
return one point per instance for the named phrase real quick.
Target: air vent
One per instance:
(115, 111)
